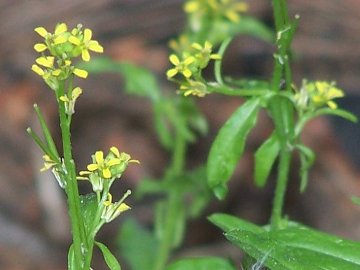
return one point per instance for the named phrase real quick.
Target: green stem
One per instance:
(217, 66)
(77, 225)
(172, 204)
(281, 184)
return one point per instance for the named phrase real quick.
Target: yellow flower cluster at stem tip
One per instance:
(58, 50)
(229, 9)
(318, 94)
(106, 168)
(190, 66)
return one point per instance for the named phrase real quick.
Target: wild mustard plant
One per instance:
(282, 244)
(88, 213)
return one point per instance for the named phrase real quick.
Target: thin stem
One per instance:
(77, 225)
(217, 66)
(172, 203)
(281, 184)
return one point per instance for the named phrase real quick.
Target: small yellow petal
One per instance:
(174, 59)
(123, 207)
(41, 31)
(115, 151)
(85, 55)
(99, 157)
(76, 92)
(87, 35)
(56, 72)
(59, 40)
(197, 46)
(95, 46)
(171, 72)
(187, 73)
(189, 60)
(60, 28)
(332, 105)
(191, 6)
(92, 167)
(40, 47)
(64, 98)
(74, 40)
(46, 61)
(80, 73)
(37, 70)
(113, 162)
(106, 172)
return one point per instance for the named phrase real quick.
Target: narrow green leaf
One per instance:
(265, 157)
(307, 158)
(229, 144)
(39, 142)
(203, 263)
(337, 112)
(46, 132)
(137, 245)
(228, 222)
(109, 258)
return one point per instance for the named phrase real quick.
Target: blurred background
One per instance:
(34, 230)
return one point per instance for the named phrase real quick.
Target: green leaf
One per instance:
(229, 144)
(109, 258)
(247, 25)
(265, 157)
(337, 112)
(228, 222)
(138, 80)
(137, 245)
(203, 263)
(307, 158)
(89, 205)
(46, 132)
(298, 247)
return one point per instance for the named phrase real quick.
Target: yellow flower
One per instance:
(228, 8)
(48, 163)
(102, 166)
(204, 54)
(322, 92)
(113, 210)
(86, 44)
(180, 66)
(195, 88)
(38, 70)
(70, 102)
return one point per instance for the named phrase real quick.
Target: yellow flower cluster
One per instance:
(190, 66)
(108, 168)
(318, 94)
(58, 50)
(229, 9)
